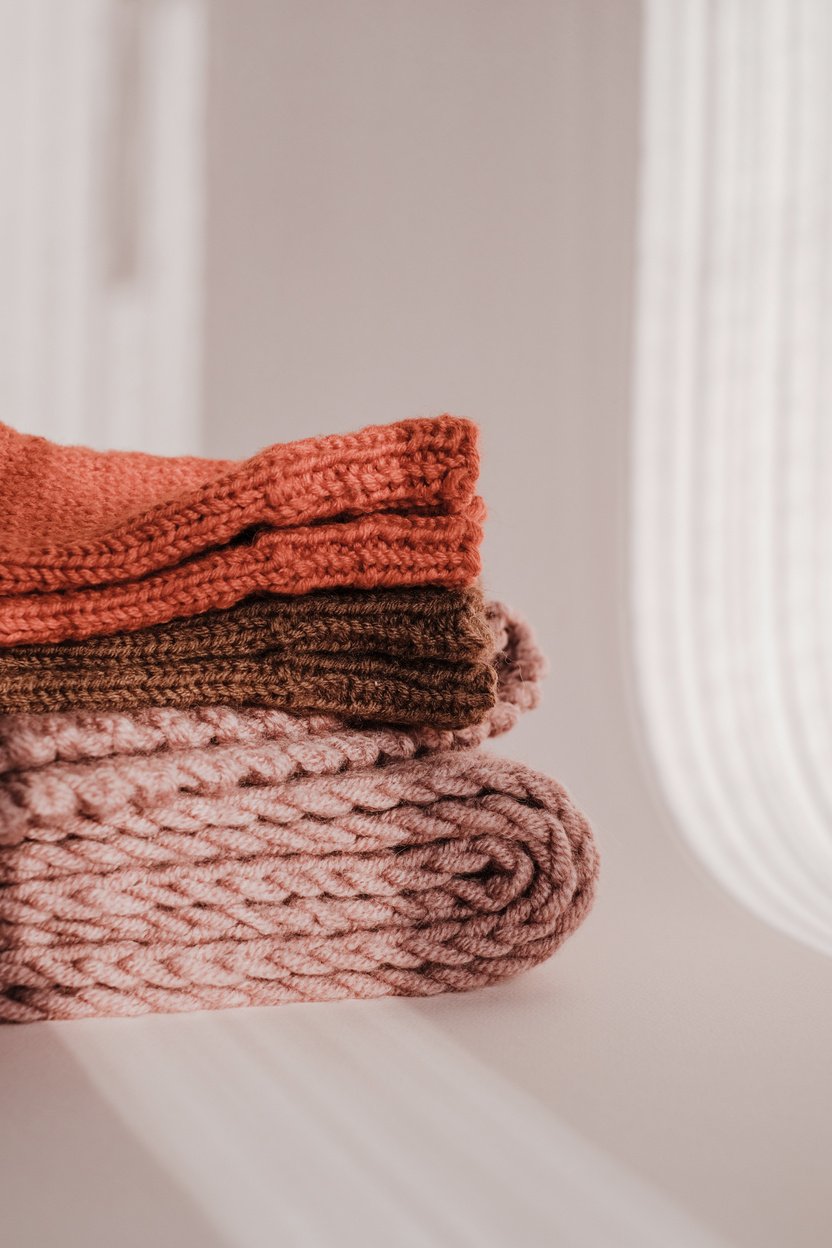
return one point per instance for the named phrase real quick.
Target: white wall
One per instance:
(101, 161)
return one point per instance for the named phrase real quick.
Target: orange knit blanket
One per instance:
(92, 543)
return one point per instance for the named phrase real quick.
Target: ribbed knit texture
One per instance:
(57, 771)
(177, 860)
(93, 543)
(418, 655)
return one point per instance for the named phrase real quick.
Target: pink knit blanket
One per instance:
(171, 860)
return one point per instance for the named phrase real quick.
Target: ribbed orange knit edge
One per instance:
(417, 465)
(380, 550)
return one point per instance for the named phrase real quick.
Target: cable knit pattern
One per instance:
(404, 656)
(130, 540)
(445, 873)
(178, 860)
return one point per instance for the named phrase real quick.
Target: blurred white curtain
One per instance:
(101, 159)
(732, 464)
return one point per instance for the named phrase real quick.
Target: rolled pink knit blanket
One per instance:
(181, 860)
(445, 873)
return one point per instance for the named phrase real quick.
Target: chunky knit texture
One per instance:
(93, 543)
(446, 873)
(178, 860)
(402, 656)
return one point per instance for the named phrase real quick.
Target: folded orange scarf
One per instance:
(93, 543)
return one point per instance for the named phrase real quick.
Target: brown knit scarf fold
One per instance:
(393, 656)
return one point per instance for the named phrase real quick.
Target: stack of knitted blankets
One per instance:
(241, 712)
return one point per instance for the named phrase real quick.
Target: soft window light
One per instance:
(732, 444)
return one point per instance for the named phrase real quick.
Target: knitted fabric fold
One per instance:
(403, 656)
(64, 775)
(174, 860)
(441, 874)
(99, 542)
